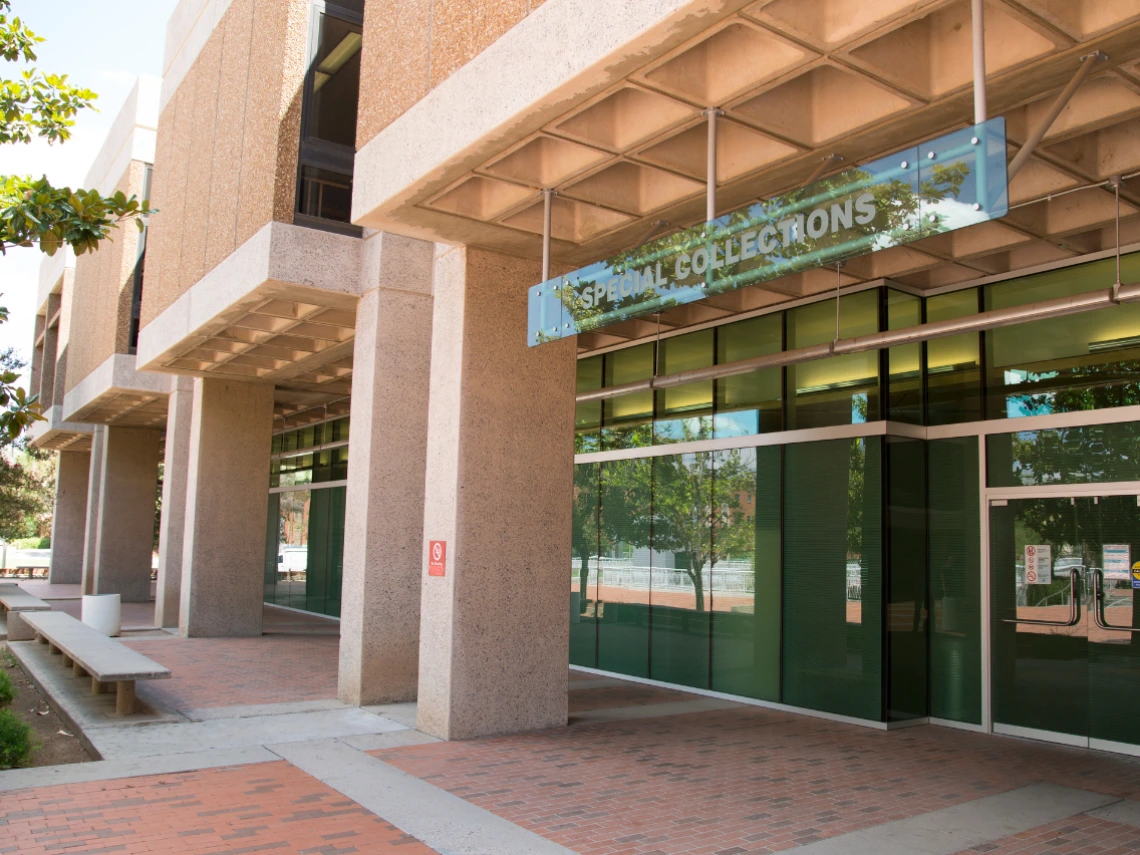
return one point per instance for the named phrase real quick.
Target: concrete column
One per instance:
(380, 592)
(499, 487)
(227, 507)
(127, 491)
(69, 519)
(91, 528)
(168, 591)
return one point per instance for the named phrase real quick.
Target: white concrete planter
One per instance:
(103, 612)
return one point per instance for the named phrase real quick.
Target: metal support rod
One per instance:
(1116, 181)
(1088, 63)
(838, 288)
(547, 204)
(978, 19)
(710, 198)
(817, 173)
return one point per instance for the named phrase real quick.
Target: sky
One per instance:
(102, 45)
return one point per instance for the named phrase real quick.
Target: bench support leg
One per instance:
(98, 688)
(53, 650)
(125, 698)
(41, 639)
(78, 670)
(67, 661)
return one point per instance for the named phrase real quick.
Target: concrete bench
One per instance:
(15, 601)
(90, 652)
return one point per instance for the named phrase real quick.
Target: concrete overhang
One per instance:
(56, 434)
(116, 393)
(281, 309)
(603, 103)
(50, 280)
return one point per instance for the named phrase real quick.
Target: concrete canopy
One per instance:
(603, 104)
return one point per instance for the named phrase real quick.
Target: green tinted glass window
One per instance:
(906, 579)
(746, 573)
(584, 571)
(832, 621)
(685, 412)
(750, 403)
(1082, 455)
(904, 383)
(680, 558)
(588, 415)
(840, 389)
(955, 581)
(623, 569)
(1078, 362)
(954, 363)
(628, 419)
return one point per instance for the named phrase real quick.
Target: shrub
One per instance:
(31, 543)
(15, 740)
(7, 692)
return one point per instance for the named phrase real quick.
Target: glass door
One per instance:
(1066, 634)
(1040, 670)
(1111, 534)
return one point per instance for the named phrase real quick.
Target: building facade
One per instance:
(415, 339)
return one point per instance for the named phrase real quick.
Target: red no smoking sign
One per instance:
(437, 557)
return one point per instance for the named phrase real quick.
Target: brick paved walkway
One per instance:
(740, 780)
(270, 806)
(220, 672)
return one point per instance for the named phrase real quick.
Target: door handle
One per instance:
(1074, 606)
(1098, 609)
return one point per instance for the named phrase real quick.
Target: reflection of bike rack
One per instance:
(1074, 606)
(1098, 610)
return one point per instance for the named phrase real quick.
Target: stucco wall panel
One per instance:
(101, 295)
(165, 239)
(461, 29)
(396, 62)
(411, 46)
(225, 177)
(201, 162)
(227, 152)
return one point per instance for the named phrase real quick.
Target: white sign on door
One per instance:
(1038, 564)
(1117, 561)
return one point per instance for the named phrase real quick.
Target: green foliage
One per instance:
(33, 211)
(15, 740)
(30, 543)
(7, 690)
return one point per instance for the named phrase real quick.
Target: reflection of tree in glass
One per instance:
(294, 511)
(684, 506)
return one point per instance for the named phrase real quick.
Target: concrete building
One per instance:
(801, 335)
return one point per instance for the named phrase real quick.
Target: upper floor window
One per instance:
(328, 117)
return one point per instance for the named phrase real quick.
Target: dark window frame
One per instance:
(315, 153)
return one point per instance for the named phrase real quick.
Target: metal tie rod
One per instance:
(1062, 100)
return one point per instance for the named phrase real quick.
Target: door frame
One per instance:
(990, 496)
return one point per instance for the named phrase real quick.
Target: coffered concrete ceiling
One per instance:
(799, 80)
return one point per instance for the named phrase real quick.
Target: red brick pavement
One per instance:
(626, 695)
(220, 672)
(269, 806)
(1079, 834)
(744, 780)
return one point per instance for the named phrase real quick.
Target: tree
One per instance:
(32, 211)
(27, 478)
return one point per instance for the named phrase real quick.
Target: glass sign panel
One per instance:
(949, 183)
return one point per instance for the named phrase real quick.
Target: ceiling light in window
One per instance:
(348, 48)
